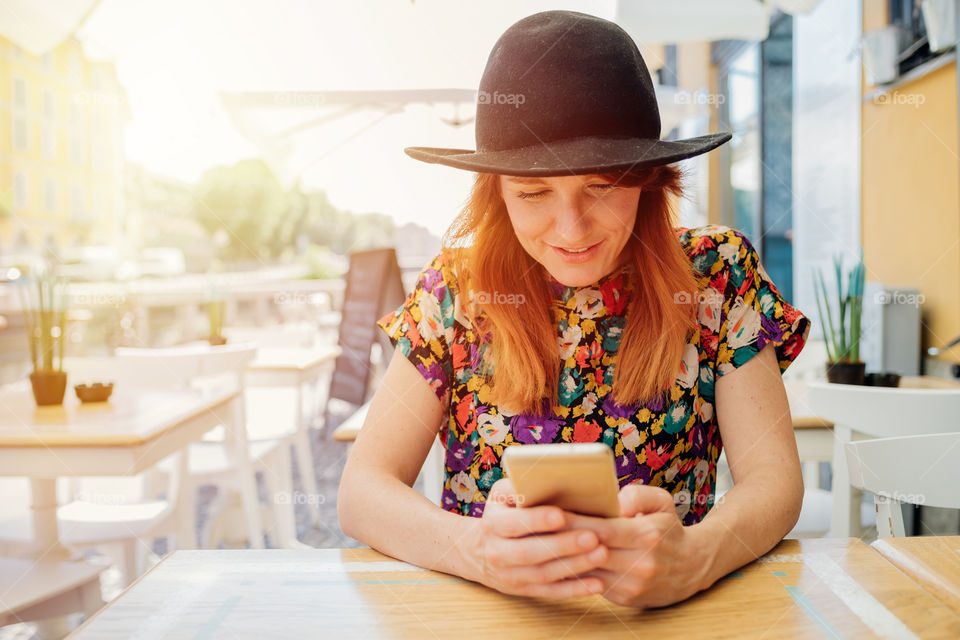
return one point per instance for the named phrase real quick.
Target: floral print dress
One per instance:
(672, 441)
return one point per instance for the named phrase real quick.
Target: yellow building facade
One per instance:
(61, 149)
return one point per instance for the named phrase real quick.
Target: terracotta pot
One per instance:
(846, 372)
(217, 340)
(48, 387)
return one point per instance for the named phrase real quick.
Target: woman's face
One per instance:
(575, 226)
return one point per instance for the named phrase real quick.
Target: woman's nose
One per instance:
(572, 221)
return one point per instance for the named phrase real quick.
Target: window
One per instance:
(50, 194)
(99, 203)
(78, 209)
(99, 78)
(78, 149)
(20, 190)
(743, 113)
(49, 141)
(914, 48)
(98, 156)
(756, 81)
(49, 105)
(21, 141)
(19, 93)
(74, 68)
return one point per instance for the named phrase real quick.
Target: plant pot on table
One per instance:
(846, 372)
(48, 387)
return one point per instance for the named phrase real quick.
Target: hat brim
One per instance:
(575, 156)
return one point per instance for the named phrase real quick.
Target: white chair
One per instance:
(45, 592)
(861, 412)
(285, 403)
(228, 456)
(907, 469)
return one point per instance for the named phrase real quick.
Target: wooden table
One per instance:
(932, 561)
(807, 589)
(124, 436)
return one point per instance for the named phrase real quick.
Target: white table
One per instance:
(124, 436)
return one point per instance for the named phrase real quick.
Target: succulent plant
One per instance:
(843, 340)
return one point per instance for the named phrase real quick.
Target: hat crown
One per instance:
(559, 75)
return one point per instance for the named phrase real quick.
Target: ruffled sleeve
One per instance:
(422, 327)
(753, 312)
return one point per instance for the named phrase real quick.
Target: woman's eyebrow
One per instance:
(522, 180)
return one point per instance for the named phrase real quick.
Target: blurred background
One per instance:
(188, 170)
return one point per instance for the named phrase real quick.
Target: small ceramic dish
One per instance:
(96, 392)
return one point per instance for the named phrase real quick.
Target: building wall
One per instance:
(911, 192)
(61, 148)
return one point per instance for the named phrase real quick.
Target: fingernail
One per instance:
(586, 539)
(597, 554)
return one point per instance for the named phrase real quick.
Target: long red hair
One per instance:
(522, 338)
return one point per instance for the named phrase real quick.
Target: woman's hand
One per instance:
(653, 559)
(534, 551)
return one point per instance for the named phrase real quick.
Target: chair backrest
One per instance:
(188, 365)
(919, 469)
(885, 412)
(197, 365)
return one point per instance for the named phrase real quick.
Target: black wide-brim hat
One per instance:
(566, 93)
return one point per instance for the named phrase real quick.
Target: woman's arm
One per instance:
(757, 431)
(376, 504)
(513, 550)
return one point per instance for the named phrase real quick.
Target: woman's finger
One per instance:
(514, 522)
(639, 498)
(537, 549)
(569, 588)
(627, 533)
(556, 569)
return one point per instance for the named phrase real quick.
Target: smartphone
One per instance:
(578, 477)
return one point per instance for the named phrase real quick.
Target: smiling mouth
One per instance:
(576, 250)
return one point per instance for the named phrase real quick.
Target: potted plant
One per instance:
(216, 310)
(843, 340)
(44, 300)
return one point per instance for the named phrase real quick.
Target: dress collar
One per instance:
(612, 286)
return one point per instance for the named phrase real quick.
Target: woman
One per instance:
(567, 308)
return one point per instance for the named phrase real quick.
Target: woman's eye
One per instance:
(603, 187)
(524, 195)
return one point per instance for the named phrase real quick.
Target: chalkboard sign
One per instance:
(374, 288)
